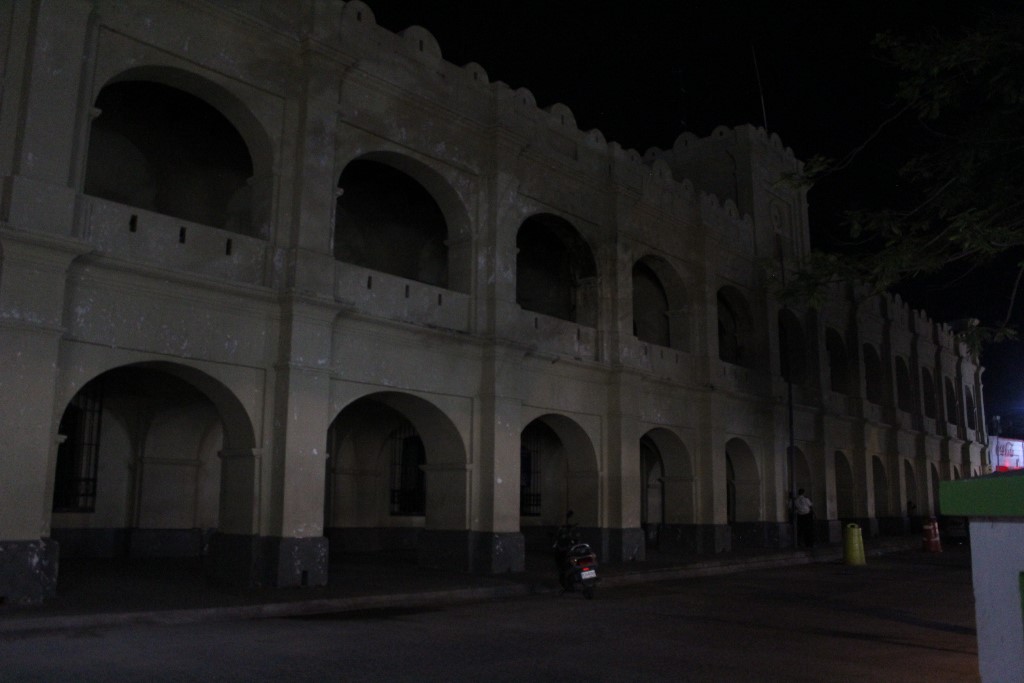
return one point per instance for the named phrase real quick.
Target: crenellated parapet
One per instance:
(411, 62)
(732, 231)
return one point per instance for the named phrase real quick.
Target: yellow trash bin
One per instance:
(853, 545)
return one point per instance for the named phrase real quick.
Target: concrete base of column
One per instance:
(107, 542)
(252, 561)
(28, 571)
(371, 539)
(113, 542)
(622, 545)
(473, 551)
(299, 561)
(761, 535)
(834, 529)
(868, 525)
(690, 539)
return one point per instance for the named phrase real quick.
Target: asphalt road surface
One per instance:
(907, 617)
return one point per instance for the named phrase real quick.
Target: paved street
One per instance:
(905, 617)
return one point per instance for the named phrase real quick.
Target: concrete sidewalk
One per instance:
(94, 593)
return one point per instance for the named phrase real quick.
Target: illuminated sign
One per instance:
(1007, 454)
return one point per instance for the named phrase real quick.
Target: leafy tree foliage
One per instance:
(960, 113)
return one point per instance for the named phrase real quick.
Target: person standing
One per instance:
(804, 509)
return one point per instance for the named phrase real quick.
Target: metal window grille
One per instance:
(408, 481)
(74, 487)
(530, 479)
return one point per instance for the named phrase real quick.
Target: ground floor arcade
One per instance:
(154, 458)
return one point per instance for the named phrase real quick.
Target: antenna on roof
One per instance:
(760, 90)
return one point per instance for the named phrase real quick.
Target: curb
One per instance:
(272, 610)
(299, 608)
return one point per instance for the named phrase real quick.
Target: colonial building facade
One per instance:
(277, 285)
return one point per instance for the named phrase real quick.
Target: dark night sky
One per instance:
(644, 72)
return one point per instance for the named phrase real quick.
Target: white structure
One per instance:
(276, 283)
(994, 506)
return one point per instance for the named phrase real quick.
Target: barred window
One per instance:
(74, 487)
(529, 478)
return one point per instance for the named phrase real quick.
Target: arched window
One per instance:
(556, 273)
(387, 221)
(735, 328)
(928, 393)
(650, 307)
(872, 375)
(952, 407)
(969, 409)
(838, 366)
(164, 150)
(904, 390)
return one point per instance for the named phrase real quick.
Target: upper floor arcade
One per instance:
(365, 170)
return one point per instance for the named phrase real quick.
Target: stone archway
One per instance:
(660, 304)
(736, 343)
(383, 203)
(556, 272)
(397, 481)
(652, 491)
(138, 473)
(558, 474)
(169, 141)
(668, 492)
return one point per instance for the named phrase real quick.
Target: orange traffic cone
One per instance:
(931, 542)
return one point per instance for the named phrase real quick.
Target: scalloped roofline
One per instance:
(421, 43)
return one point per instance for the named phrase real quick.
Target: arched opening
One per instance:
(846, 495)
(395, 470)
(558, 473)
(668, 493)
(138, 471)
(659, 304)
(650, 307)
(881, 488)
(838, 364)
(652, 491)
(162, 149)
(904, 390)
(928, 393)
(952, 407)
(872, 375)
(556, 273)
(792, 348)
(736, 341)
(969, 409)
(388, 221)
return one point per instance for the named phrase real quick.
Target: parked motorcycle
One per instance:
(577, 562)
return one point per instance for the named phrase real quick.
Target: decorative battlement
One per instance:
(347, 27)
(727, 226)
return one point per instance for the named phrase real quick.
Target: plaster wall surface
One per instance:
(429, 400)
